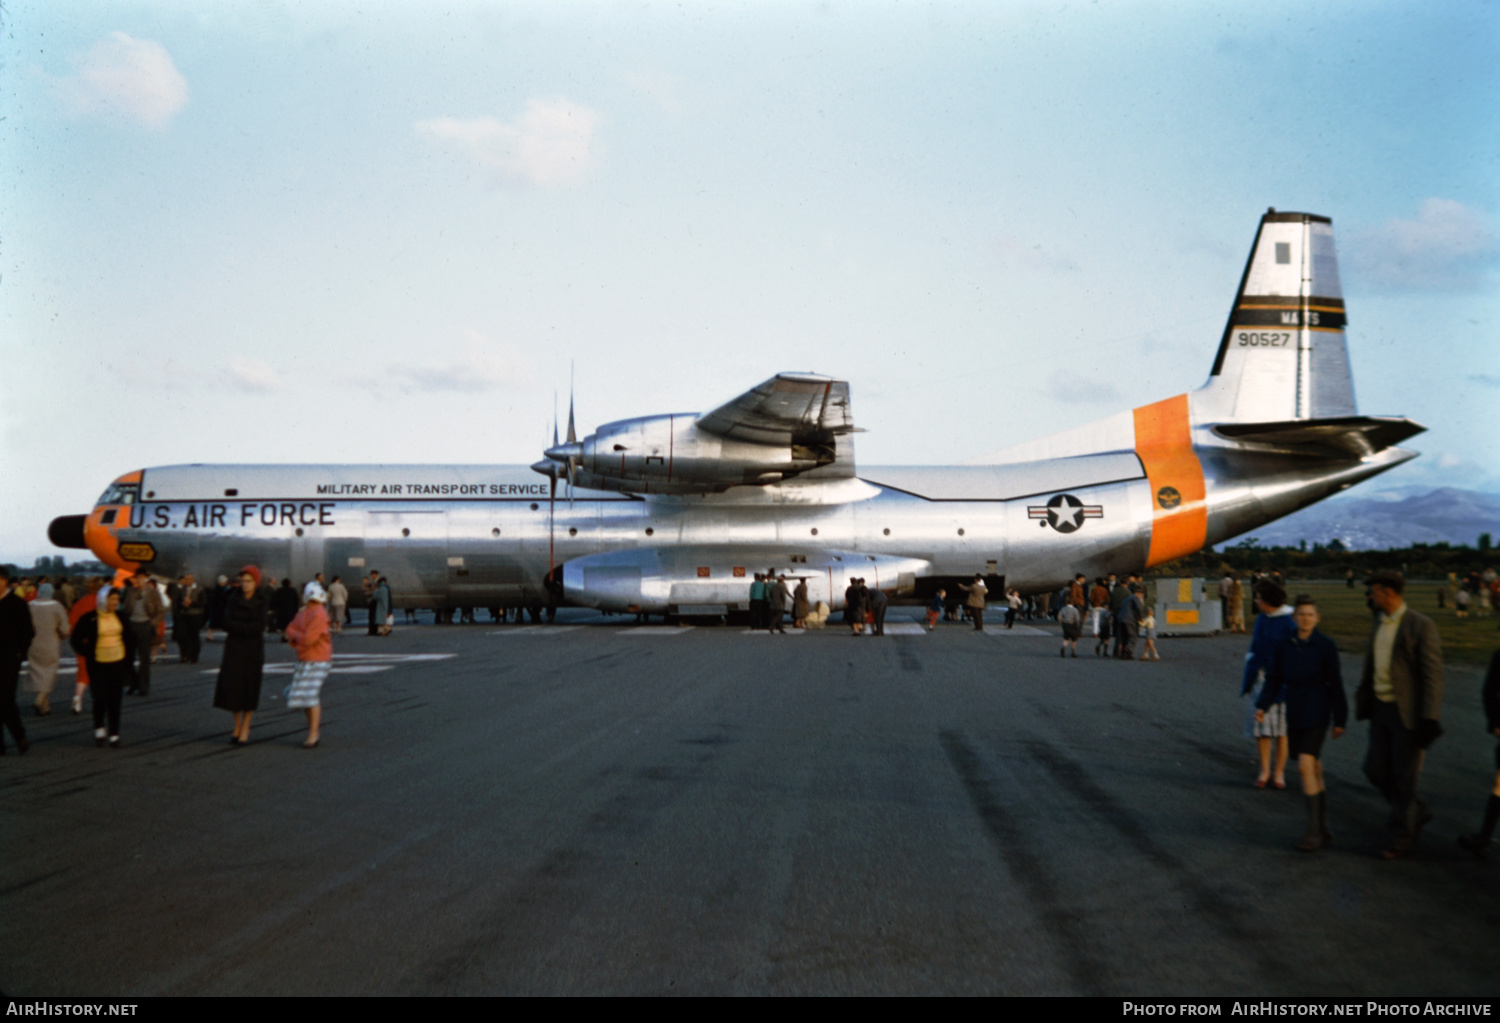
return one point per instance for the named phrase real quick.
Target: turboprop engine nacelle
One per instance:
(715, 580)
(671, 454)
(786, 426)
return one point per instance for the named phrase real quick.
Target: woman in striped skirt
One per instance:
(308, 633)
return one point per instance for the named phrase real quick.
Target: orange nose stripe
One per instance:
(1179, 515)
(101, 538)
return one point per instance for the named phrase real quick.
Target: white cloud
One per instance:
(1447, 247)
(131, 78)
(481, 365)
(253, 375)
(550, 144)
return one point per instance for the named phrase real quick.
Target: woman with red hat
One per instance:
(238, 688)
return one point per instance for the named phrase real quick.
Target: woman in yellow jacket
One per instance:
(108, 646)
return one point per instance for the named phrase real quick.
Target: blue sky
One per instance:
(263, 232)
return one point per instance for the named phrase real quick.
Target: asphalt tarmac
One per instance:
(590, 808)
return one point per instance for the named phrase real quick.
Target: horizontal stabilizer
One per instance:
(1343, 437)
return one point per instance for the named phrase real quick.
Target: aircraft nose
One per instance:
(67, 531)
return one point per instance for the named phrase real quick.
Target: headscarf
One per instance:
(312, 591)
(252, 572)
(44, 591)
(102, 598)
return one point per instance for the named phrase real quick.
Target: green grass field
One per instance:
(1472, 640)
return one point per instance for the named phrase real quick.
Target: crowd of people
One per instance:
(117, 632)
(1294, 679)
(1477, 593)
(1292, 675)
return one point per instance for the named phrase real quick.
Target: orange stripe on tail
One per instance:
(1179, 516)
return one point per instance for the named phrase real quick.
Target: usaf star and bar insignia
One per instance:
(1064, 513)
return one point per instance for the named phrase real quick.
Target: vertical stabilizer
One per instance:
(1283, 355)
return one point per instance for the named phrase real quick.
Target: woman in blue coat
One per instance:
(1272, 625)
(1304, 674)
(382, 601)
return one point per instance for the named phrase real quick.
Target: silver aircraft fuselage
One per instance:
(490, 536)
(676, 514)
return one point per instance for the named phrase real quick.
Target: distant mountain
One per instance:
(1398, 517)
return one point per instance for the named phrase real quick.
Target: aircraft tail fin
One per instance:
(1283, 355)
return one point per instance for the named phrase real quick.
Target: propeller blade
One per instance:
(572, 433)
(572, 438)
(552, 511)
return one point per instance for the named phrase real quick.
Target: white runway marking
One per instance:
(534, 630)
(286, 668)
(904, 629)
(363, 664)
(657, 630)
(1019, 630)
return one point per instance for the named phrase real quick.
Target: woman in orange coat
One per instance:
(308, 633)
(82, 606)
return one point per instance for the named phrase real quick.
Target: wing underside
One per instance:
(1345, 436)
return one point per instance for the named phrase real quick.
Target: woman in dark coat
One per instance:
(238, 688)
(1480, 840)
(218, 599)
(284, 605)
(1303, 675)
(854, 607)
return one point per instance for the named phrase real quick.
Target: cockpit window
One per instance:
(121, 493)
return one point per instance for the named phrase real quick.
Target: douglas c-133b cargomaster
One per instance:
(674, 514)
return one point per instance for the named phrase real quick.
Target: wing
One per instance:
(790, 408)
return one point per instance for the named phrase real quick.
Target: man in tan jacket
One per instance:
(1401, 695)
(977, 596)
